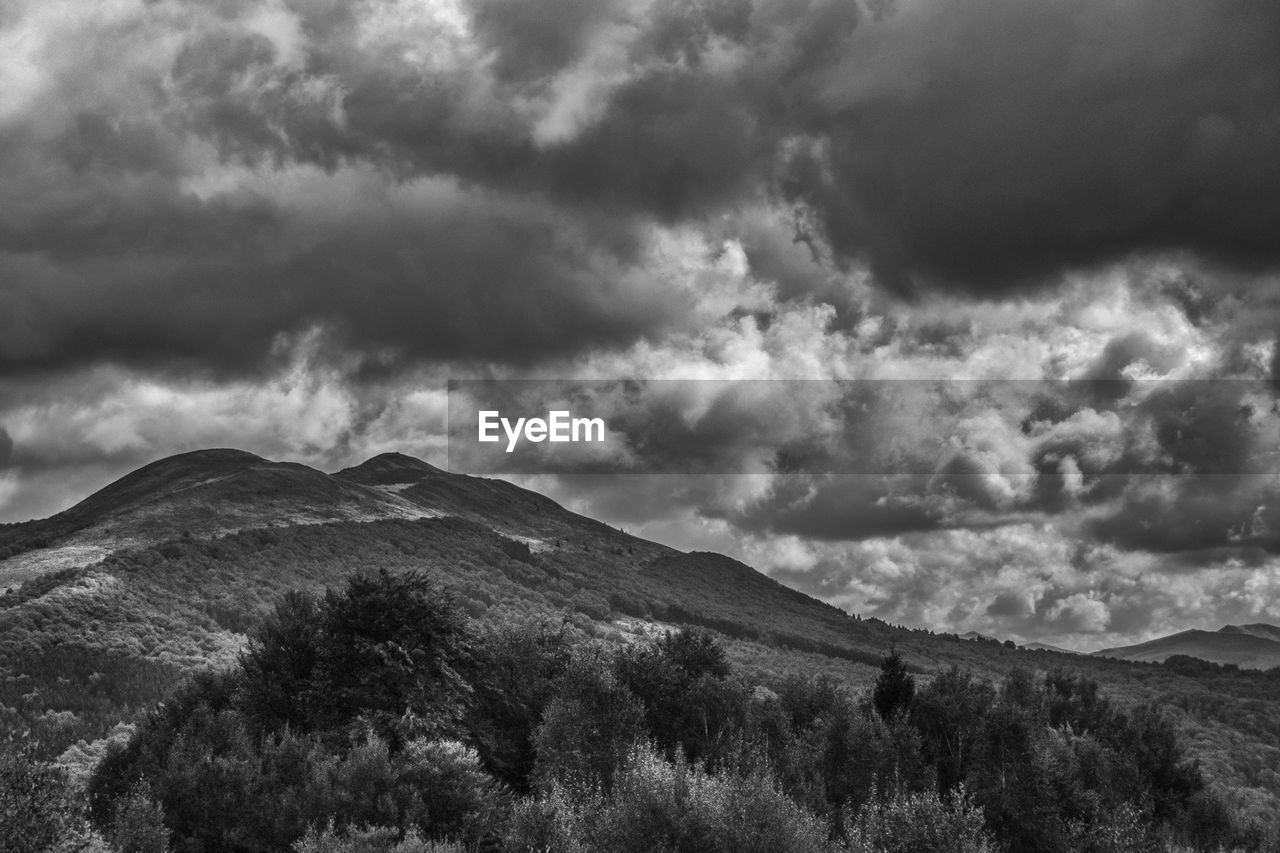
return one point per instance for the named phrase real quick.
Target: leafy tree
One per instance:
(514, 675)
(278, 667)
(949, 714)
(681, 679)
(588, 729)
(390, 649)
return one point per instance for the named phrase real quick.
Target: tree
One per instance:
(514, 674)
(895, 688)
(588, 729)
(389, 651)
(681, 679)
(277, 669)
(949, 714)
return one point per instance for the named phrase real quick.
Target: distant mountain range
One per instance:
(1255, 646)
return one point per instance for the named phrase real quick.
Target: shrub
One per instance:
(378, 839)
(461, 800)
(659, 805)
(37, 807)
(138, 826)
(921, 822)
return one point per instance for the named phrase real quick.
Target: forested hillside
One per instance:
(377, 717)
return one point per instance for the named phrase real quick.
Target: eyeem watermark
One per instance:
(558, 426)
(1004, 440)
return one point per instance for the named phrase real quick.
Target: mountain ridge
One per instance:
(1253, 646)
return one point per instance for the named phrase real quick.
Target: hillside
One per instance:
(166, 570)
(1249, 646)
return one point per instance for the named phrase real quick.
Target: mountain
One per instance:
(1254, 646)
(1257, 629)
(181, 557)
(1045, 647)
(112, 602)
(204, 493)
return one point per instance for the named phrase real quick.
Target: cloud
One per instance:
(459, 180)
(991, 143)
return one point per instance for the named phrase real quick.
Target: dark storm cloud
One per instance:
(112, 248)
(6, 447)
(972, 144)
(843, 508)
(484, 284)
(985, 142)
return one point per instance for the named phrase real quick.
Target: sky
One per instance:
(283, 225)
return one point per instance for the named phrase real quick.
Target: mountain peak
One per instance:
(167, 474)
(387, 469)
(1255, 629)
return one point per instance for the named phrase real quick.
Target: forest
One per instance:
(378, 716)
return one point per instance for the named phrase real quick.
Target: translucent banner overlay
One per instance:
(919, 428)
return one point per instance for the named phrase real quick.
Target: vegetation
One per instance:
(376, 717)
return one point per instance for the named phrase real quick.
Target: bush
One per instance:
(920, 823)
(669, 805)
(138, 826)
(379, 839)
(658, 805)
(37, 808)
(461, 800)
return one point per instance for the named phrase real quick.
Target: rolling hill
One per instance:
(1251, 646)
(111, 602)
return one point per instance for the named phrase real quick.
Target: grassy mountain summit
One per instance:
(168, 570)
(204, 493)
